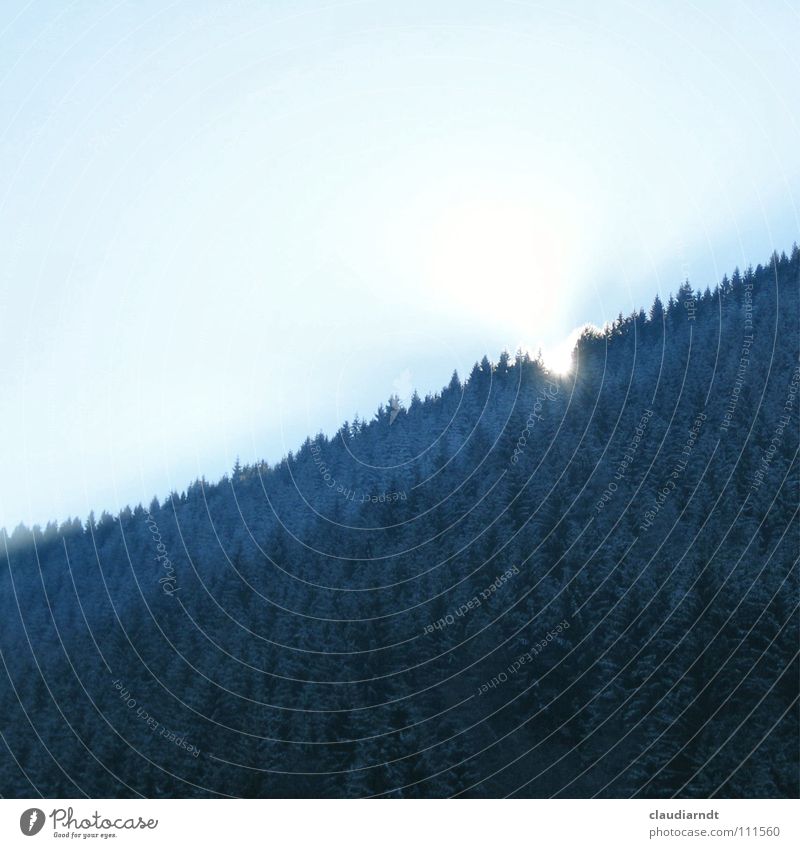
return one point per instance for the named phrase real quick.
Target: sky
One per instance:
(225, 226)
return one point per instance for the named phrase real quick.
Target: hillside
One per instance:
(527, 584)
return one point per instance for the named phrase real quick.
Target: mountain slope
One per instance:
(527, 584)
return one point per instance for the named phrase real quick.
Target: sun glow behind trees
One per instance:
(505, 260)
(205, 202)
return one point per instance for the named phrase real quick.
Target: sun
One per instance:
(501, 259)
(558, 357)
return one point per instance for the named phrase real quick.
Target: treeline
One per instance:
(525, 584)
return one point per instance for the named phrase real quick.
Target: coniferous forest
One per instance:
(527, 585)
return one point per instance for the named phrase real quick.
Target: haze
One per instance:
(225, 227)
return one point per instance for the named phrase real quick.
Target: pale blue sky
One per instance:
(227, 225)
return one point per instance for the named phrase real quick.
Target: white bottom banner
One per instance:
(352, 824)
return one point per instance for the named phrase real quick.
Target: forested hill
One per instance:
(526, 584)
